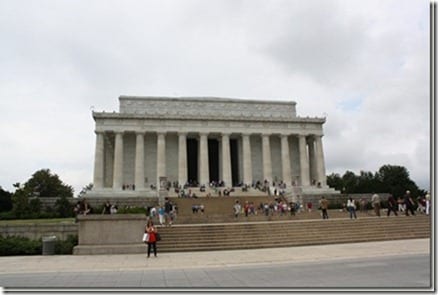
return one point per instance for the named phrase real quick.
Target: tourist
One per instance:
(351, 206)
(152, 241)
(401, 204)
(106, 208)
(427, 197)
(375, 200)
(409, 203)
(309, 207)
(324, 206)
(392, 203)
(85, 207)
(237, 209)
(161, 215)
(114, 209)
(167, 212)
(246, 208)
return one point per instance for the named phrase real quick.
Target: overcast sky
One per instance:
(362, 64)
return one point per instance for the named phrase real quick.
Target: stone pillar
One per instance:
(322, 178)
(161, 156)
(182, 158)
(226, 160)
(285, 160)
(304, 161)
(139, 162)
(118, 162)
(98, 161)
(247, 164)
(266, 151)
(204, 174)
(312, 160)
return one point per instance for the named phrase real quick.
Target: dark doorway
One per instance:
(234, 162)
(192, 160)
(213, 159)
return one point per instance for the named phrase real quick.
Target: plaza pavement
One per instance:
(218, 259)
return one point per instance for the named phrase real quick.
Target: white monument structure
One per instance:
(204, 140)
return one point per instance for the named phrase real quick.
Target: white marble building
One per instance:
(205, 139)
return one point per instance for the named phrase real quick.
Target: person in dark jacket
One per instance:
(392, 205)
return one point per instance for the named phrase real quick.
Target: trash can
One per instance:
(49, 245)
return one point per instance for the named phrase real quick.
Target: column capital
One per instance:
(225, 134)
(203, 133)
(161, 132)
(140, 133)
(266, 134)
(246, 133)
(182, 133)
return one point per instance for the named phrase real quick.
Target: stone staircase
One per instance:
(218, 229)
(228, 236)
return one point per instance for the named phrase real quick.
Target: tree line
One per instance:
(390, 179)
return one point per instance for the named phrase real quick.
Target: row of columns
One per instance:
(311, 160)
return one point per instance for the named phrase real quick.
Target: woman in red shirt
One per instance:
(152, 241)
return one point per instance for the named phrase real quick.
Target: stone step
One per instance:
(201, 237)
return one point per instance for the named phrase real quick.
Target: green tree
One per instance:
(396, 180)
(63, 207)
(45, 184)
(335, 181)
(5, 200)
(350, 181)
(20, 203)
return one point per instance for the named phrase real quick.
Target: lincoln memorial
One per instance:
(202, 140)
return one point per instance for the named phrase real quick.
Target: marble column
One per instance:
(139, 162)
(226, 160)
(312, 160)
(247, 164)
(98, 161)
(118, 162)
(161, 156)
(285, 160)
(204, 174)
(304, 161)
(182, 158)
(266, 152)
(322, 178)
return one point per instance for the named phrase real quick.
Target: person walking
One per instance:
(152, 240)
(409, 203)
(392, 205)
(324, 206)
(351, 206)
(375, 200)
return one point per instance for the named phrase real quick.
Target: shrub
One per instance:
(13, 245)
(66, 247)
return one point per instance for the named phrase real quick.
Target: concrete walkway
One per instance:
(221, 259)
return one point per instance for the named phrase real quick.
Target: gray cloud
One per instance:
(363, 64)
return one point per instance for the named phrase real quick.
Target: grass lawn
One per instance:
(36, 221)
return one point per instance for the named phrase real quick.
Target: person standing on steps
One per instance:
(351, 206)
(375, 200)
(152, 241)
(324, 206)
(237, 208)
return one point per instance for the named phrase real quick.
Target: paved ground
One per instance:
(403, 263)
